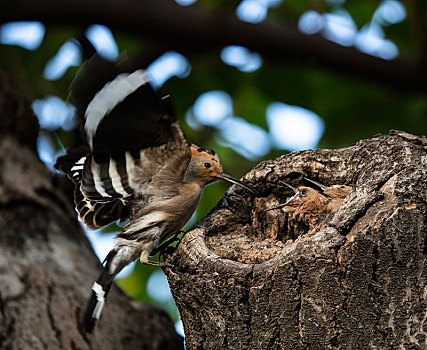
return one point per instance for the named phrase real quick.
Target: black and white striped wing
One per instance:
(132, 136)
(93, 214)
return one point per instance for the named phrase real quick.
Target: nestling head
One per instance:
(333, 191)
(306, 194)
(302, 195)
(338, 191)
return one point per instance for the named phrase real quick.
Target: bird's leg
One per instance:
(144, 260)
(167, 243)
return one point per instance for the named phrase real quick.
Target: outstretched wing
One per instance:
(132, 136)
(93, 214)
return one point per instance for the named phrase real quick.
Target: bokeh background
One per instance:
(246, 106)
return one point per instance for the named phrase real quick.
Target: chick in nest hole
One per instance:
(310, 209)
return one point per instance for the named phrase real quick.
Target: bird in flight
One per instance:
(136, 165)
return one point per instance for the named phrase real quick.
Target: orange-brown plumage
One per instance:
(137, 165)
(315, 207)
(306, 206)
(337, 195)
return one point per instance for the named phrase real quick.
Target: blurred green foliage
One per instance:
(351, 108)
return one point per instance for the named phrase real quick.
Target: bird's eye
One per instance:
(303, 192)
(207, 165)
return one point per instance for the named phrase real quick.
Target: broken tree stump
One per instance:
(243, 280)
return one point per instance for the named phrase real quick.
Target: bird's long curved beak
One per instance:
(233, 180)
(294, 198)
(291, 187)
(321, 186)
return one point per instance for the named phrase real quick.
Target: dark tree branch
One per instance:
(198, 30)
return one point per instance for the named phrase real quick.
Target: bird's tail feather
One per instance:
(95, 306)
(100, 290)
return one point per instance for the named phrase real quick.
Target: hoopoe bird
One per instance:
(314, 207)
(136, 165)
(305, 205)
(336, 195)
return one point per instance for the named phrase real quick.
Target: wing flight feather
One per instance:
(133, 141)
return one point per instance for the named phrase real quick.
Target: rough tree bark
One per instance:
(242, 279)
(47, 265)
(245, 282)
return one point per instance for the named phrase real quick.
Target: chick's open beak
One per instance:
(291, 187)
(233, 180)
(291, 201)
(321, 186)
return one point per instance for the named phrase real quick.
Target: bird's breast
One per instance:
(181, 207)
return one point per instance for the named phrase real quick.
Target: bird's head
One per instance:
(338, 191)
(301, 196)
(205, 164)
(333, 191)
(206, 168)
(305, 194)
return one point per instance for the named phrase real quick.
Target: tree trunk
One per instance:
(47, 265)
(245, 281)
